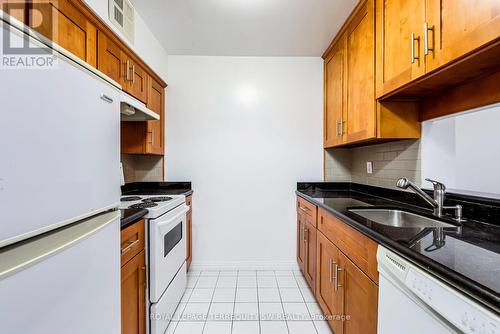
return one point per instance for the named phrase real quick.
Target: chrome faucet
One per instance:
(437, 202)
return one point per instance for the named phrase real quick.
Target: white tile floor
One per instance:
(248, 302)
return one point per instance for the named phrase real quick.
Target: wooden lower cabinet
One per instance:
(328, 298)
(359, 296)
(310, 234)
(301, 249)
(133, 295)
(345, 277)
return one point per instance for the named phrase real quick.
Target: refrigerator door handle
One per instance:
(15, 258)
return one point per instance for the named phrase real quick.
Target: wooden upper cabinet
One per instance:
(136, 81)
(64, 24)
(457, 27)
(155, 129)
(360, 75)
(16, 9)
(146, 137)
(360, 298)
(334, 113)
(110, 58)
(399, 43)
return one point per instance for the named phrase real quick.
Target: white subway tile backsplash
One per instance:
(390, 162)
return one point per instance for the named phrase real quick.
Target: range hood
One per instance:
(132, 110)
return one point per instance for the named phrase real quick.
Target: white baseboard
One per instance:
(244, 265)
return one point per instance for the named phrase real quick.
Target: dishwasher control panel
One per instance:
(459, 310)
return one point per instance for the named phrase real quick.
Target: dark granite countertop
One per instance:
(131, 216)
(470, 257)
(157, 188)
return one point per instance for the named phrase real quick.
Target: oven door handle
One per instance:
(165, 226)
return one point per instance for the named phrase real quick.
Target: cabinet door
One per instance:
(301, 249)
(62, 23)
(456, 27)
(360, 72)
(156, 102)
(136, 81)
(310, 234)
(329, 299)
(334, 96)
(396, 21)
(133, 296)
(110, 60)
(360, 296)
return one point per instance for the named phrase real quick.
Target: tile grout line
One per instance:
(305, 303)
(282, 307)
(211, 301)
(258, 300)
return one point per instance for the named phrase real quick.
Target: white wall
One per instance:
(145, 44)
(463, 151)
(244, 130)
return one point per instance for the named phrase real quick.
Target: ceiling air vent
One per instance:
(121, 14)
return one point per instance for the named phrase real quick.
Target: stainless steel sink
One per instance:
(398, 218)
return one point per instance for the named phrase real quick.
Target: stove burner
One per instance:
(157, 199)
(144, 205)
(130, 198)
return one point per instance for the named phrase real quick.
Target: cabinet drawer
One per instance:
(308, 210)
(132, 241)
(360, 249)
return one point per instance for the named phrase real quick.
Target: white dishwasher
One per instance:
(412, 301)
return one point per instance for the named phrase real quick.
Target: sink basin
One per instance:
(398, 218)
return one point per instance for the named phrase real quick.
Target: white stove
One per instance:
(165, 254)
(157, 205)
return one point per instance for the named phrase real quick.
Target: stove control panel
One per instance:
(462, 312)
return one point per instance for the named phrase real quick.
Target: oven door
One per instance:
(167, 235)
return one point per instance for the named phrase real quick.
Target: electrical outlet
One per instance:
(369, 167)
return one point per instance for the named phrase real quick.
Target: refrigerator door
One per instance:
(59, 143)
(66, 281)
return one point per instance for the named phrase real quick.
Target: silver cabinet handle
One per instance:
(130, 246)
(331, 270)
(337, 128)
(106, 98)
(413, 39)
(127, 70)
(426, 39)
(152, 137)
(306, 231)
(133, 73)
(336, 278)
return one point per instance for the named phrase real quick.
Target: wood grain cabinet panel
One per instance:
(399, 56)
(334, 112)
(133, 295)
(361, 249)
(136, 83)
(146, 137)
(132, 241)
(155, 129)
(329, 299)
(63, 23)
(110, 58)
(360, 76)
(457, 27)
(310, 235)
(360, 298)
(301, 244)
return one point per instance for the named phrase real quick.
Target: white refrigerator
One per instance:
(59, 193)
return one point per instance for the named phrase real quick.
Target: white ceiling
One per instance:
(245, 27)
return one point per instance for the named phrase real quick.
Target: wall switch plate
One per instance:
(369, 167)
